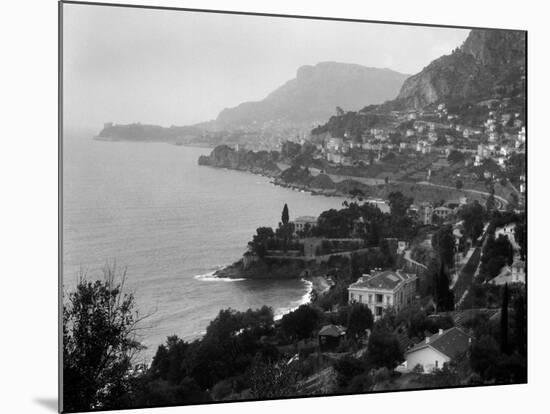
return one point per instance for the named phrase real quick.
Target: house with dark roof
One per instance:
(436, 350)
(383, 290)
(330, 336)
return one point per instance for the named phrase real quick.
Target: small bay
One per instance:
(171, 223)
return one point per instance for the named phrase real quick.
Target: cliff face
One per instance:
(314, 94)
(262, 162)
(489, 62)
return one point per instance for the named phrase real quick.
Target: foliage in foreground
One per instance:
(99, 342)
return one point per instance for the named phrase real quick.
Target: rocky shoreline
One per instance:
(317, 284)
(308, 189)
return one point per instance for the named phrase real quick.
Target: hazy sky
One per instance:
(176, 68)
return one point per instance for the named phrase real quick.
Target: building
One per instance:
(442, 213)
(402, 245)
(303, 222)
(511, 274)
(346, 161)
(334, 158)
(509, 230)
(383, 290)
(438, 349)
(330, 336)
(518, 271)
(425, 213)
(521, 135)
(335, 144)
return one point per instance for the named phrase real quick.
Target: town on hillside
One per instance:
(438, 155)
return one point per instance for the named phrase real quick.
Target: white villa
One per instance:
(438, 349)
(508, 231)
(300, 223)
(383, 290)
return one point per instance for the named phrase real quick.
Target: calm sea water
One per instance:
(171, 223)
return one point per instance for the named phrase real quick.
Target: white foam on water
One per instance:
(306, 298)
(209, 277)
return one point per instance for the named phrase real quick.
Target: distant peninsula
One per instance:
(178, 135)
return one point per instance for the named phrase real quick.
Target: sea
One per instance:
(170, 224)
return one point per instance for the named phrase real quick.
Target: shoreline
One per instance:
(153, 141)
(317, 284)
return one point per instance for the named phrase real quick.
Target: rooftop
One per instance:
(451, 342)
(387, 280)
(332, 330)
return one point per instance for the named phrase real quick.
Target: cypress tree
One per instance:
(444, 297)
(284, 216)
(520, 325)
(504, 321)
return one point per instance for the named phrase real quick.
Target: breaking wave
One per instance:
(209, 277)
(306, 298)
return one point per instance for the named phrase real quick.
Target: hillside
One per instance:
(312, 96)
(262, 162)
(489, 63)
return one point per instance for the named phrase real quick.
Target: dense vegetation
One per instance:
(247, 354)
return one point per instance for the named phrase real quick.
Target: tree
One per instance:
(99, 342)
(455, 156)
(272, 380)
(484, 356)
(359, 319)
(399, 204)
(301, 323)
(504, 321)
(357, 193)
(166, 363)
(490, 204)
(261, 241)
(496, 253)
(383, 349)
(443, 296)
(386, 253)
(284, 215)
(520, 234)
(472, 215)
(443, 241)
(348, 368)
(520, 325)
(334, 223)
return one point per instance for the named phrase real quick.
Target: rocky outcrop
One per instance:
(489, 63)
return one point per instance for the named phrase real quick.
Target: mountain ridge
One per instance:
(314, 93)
